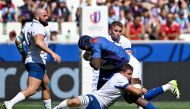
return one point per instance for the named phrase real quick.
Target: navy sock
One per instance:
(150, 106)
(153, 93)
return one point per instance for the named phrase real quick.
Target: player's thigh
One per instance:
(34, 83)
(130, 98)
(45, 82)
(36, 73)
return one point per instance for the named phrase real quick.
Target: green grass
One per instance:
(118, 105)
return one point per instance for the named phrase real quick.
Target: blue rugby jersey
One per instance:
(113, 54)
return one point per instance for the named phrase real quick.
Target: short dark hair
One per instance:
(116, 23)
(84, 40)
(126, 67)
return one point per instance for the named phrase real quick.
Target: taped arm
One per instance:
(19, 43)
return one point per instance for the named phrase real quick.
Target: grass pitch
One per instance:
(117, 105)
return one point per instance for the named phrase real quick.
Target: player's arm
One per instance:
(39, 41)
(134, 91)
(19, 44)
(135, 81)
(87, 55)
(95, 63)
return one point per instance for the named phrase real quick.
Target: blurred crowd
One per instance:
(142, 19)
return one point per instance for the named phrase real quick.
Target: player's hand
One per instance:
(87, 56)
(56, 57)
(144, 90)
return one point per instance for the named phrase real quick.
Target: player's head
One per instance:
(116, 30)
(85, 42)
(127, 71)
(41, 15)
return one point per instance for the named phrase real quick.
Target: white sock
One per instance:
(19, 97)
(63, 105)
(47, 103)
(166, 87)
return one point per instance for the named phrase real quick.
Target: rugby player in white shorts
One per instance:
(35, 36)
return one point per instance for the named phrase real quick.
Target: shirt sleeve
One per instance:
(126, 43)
(96, 51)
(122, 83)
(39, 30)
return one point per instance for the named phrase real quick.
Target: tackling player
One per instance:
(106, 55)
(110, 92)
(36, 38)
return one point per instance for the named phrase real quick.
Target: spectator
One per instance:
(12, 36)
(182, 4)
(183, 22)
(115, 10)
(171, 7)
(111, 15)
(162, 16)
(136, 7)
(53, 36)
(62, 12)
(170, 30)
(100, 2)
(135, 29)
(8, 12)
(77, 14)
(148, 23)
(155, 10)
(25, 13)
(2, 4)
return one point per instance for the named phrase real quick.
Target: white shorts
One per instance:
(137, 70)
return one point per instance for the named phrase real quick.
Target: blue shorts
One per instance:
(36, 70)
(93, 103)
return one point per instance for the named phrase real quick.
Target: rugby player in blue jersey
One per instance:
(106, 55)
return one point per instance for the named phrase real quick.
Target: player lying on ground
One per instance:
(111, 91)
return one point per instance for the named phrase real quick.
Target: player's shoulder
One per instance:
(118, 77)
(124, 39)
(100, 38)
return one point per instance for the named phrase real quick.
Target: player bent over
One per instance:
(36, 38)
(108, 56)
(110, 92)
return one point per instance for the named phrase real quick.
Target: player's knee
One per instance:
(32, 91)
(73, 102)
(46, 86)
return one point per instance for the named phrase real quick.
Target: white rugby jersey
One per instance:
(122, 41)
(34, 53)
(110, 91)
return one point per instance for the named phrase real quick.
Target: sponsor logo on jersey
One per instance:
(95, 40)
